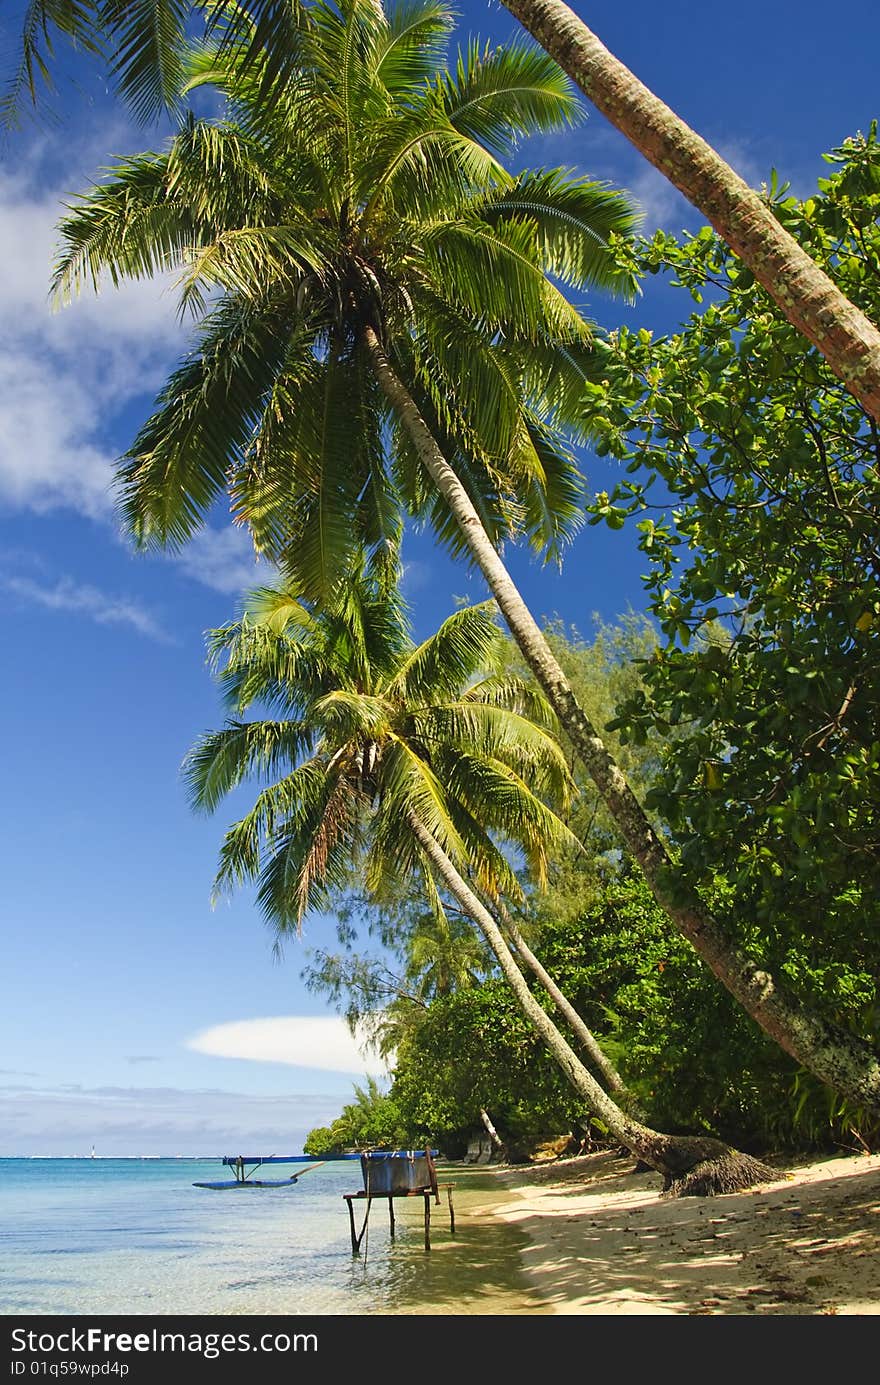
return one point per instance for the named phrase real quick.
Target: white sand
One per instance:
(602, 1240)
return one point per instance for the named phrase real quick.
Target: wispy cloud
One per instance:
(136, 1058)
(744, 158)
(224, 559)
(80, 599)
(661, 205)
(50, 455)
(67, 381)
(156, 1120)
(416, 575)
(301, 1041)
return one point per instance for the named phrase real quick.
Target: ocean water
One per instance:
(127, 1236)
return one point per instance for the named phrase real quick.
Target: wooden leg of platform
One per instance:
(451, 1211)
(366, 1219)
(354, 1240)
(391, 1215)
(427, 1197)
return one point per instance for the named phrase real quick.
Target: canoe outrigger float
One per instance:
(240, 1163)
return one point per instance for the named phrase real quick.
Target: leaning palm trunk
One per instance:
(584, 1035)
(497, 1142)
(689, 1164)
(833, 1054)
(848, 340)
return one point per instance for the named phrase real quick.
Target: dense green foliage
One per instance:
(690, 1054)
(691, 1057)
(371, 1121)
(474, 1049)
(755, 484)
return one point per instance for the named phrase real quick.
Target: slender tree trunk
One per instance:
(848, 340)
(833, 1054)
(603, 1065)
(673, 1156)
(497, 1142)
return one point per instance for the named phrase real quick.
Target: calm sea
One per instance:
(134, 1236)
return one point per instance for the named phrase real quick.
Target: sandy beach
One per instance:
(601, 1240)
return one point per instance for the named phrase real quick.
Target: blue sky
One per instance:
(114, 964)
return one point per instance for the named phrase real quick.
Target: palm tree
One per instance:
(143, 47)
(403, 763)
(444, 955)
(381, 326)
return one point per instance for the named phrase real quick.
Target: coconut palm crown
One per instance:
(370, 196)
(370, 734)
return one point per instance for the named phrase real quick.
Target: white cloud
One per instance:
(134, 322)
(416, 575)
(301, 1041)
(65, 377)
(81, 599)
(224, 559)
(49, 456)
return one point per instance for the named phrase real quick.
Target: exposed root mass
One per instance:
(730, 1172)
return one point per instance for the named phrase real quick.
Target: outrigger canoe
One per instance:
(241, 1162)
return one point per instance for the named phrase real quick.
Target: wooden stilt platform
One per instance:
(426, 1193)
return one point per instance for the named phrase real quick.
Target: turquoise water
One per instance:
(134, 1236)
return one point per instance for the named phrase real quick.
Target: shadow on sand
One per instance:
(606, 1243)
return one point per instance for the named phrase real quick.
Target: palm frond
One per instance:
(148, 38)
(311, 858)
(410, 786)
(413, 45)
(499, 96)
(345, 716)
(221, 760)
(551, 489)
(291, 801)
(494, 273)
(180, 460)
(575, 219)
(76, 20)
(465, 644)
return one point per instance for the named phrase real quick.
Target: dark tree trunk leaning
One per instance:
(690, 1166)
(811, 301)
(833, 1054)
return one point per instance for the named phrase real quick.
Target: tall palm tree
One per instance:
(381, 325)
(405, 763)
(143, 45)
